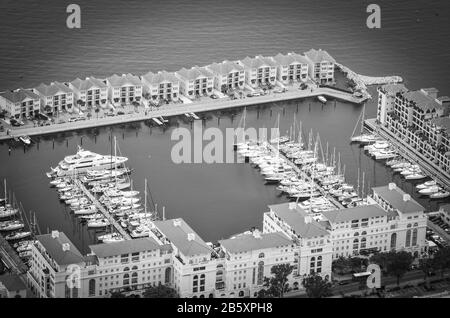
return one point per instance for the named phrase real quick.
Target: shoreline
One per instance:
(177, 109)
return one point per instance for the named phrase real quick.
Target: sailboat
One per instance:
(363, 138)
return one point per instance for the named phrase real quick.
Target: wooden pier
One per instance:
(102, 209)
(304, 176)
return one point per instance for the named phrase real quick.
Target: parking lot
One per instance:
(439, 231)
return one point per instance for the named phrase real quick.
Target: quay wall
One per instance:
(180, 109)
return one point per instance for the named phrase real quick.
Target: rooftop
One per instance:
(290, 59)
(194, 73)
(125, 247)
(295, 217)
(124, 80)
(19, 95)
(54, 247)
(254, 242)
(442, 122)
(55, 88)
(88, 83)
(12, 282)
(225, 67)
(160, 77)
(257, 62)
(422, 100)
(395, 196)
(356, 213)
(393, 89)
(317, 56)
(183, 237)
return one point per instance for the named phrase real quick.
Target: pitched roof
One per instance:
(125, 79)
(194, 73)
(248, 242)
(12, 282)
(422, 100)
(257, 62)
(319, 55)
(289, 59)
(356, 213)
(19, 95)
(125, 247)
(393, 89)
(177, 231)
(53, 246)
(88, 83)
(53, 89)
(295, 217)
(395, 198)
(160, 77)
(225, 67)
(442, 122)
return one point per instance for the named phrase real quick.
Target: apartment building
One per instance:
(249, 258)
(321, 66)
(444, 213)
(196, 82)
(124, 90)
(227, 76)
(55, 97)
(59, 270)
(410, 222)
(313, 246)
(417, 118)
(161, 86)
(291, 67)
(20, 103)
(259, 71)
(90, 92)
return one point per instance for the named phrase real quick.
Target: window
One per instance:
(393, 240)
(260, 272)
(195, 284)
(202, 282)
(261, 255)
(414, 237)
(408, 237)
(92, 287)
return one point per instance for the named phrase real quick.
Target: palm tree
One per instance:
(97, 110)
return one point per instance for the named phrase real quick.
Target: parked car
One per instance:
(214, 96)
(120, 113)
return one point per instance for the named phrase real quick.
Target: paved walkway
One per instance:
(180, 109)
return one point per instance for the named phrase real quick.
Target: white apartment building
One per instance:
(227, 76)
(259, 71)
(313, 252)
(114, 267)
(410, 222)
(90, 92)
(291, 67)
(55, 97)
(125, 89)
(20, 103)
(196, 82)
(444, 213)
(386, 100)
(321, 66)
(162, 86)
(249, 258)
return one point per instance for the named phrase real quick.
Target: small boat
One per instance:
(110, 238)
(11, 226)
(8, 212)
(426, 184)
(25, 139)
(322, 99)
(415, 176)
(430, 190)
(440, 195)
(17, 236)
(98, 223)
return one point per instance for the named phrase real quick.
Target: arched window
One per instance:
(414, 237)
(168, 276)
(261, 255)
(126, 269)
(312, 265)
(363, 242)
(134, 278)
(260, 273)
(92, 287)
(195, 284)
(393, 240)
(126, 279)
(241, 294)
(134, 268)
(408, 226)
(364, 233)
(202, 296)
(415, 224)
(211, 296)
(408, 238)
(356, 234)
(219, 276)
(202, 282)
(355, 244)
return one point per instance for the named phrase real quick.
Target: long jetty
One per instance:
(181, 109)
(102, 209)
(306, 177)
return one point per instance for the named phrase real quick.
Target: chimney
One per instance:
(392, 186)
(177, 222)
(292, 205)
(308, 219)
(66, 247)
(55, 234)
(406, 197)
(191, 237)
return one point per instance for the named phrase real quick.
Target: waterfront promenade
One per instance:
(179, 109)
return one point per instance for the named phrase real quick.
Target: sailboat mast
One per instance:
(145, 199)
(362, 192)
(6, 194)
(357, 185)
(362, 118)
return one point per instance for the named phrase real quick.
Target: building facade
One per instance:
(55, 97)
(259, 71)
(291, 68)
(21, 103)
(227, 76)
(124, 90)
(321, 66)
(161, 86)
(90, 92)
(196, 82)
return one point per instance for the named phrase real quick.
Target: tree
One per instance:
(89, 115)
(341, 265)
(398, 264)
(277, 285)
(316, 286)
(427, 266)
(160, 291)
(441, 260)
(117, 295)
(97, 110)
(380, 259)
(48, 109)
